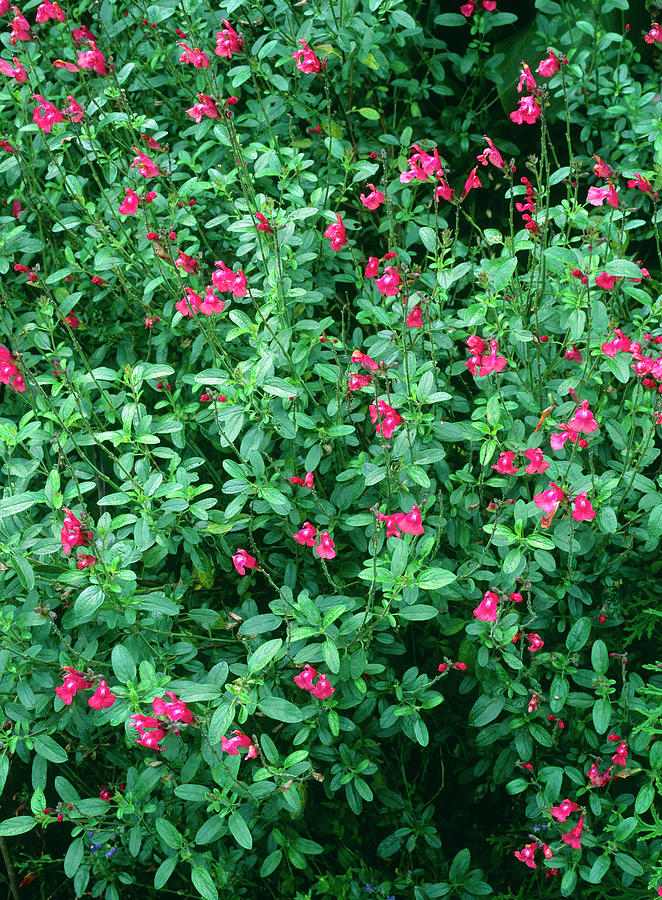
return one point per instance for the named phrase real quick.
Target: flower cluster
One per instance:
(398, 524)
(481, 363)
(9, 373)
(307, 536)
(529, 110)
(74, 681)
(232, 745)
(168, 714)
(306, 681)
(384, 418)
(72, 534)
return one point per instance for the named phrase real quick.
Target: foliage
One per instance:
(305, 472)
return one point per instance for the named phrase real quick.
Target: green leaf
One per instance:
(49, 749)
(460, 865)
(17, 825)
(169, 834)
(277, 708)
(644, 799)
(601, 714)
(485, 710)
(624, 829)
(164, 871)
(239, 831)
(368, 113)
(418, 612)
(434, 579)
(628, 864)
(568, 882)
(331, 656)
(264, 654)
(203, 883)
(558, 693)
(607, 521)
(541, 735)
(599, 657)
(578, 635)
(278, 387)
(123, 665)
(73, 857)
(220, 722)
(17, 503)
(271, 863)
(623, 268)
(599, 869)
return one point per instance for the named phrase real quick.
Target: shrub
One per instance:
(331, 468)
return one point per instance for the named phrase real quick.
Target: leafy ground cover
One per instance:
(330, 363)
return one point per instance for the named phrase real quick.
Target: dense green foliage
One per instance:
(501, 643)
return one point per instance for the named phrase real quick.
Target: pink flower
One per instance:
(515, 597)
(336, 234)
(73, 110)
(372, 268)
(187, 263)
(243, 560)
(175, 710)
(491, 155)
(20, 28)
(595, 778)
(533, 703)
(356, 381)
(526, 855)
(389, 283)
(549, 65)
(529, 111)
(422, 166)
(232, 745)
(467, 9)
(306, 60)
(189, 305)
(146, 166)
(582, 510)
(306, 535)
(227, 280)
(211, 305)
(606, 281)
(444, 191)
(322, 689)
(564, 809)
(473, 181)
(72, 534)
(93, 59)
(639, 181)
(601, 168)
(491, 363)
(205, 107)
(415, 318)
(409, 523)
(374, 199)
(364, 360)
(526, 80)
(573, 836)
(537, 463)
(102, 698)
(535, 643)
(583, 420)
(549, 500)
(73, 681)
(47, 10)
(596, 196)
(151, 739)
(390, 418)
(45, 115)
(655, 34)
(326, 548)
(574, 355)
(504, 464)
(228, 41)
(194, 56)
(129, 206)
(85, 561)
(304, 679)
(16, 71)
(486, 610)
(263, 225)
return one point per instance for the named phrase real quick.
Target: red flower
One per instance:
(73, 681)
(129, 206)
(93, 59)
(389, 283)
(205, 107)
(415, 318)
(45, 115)
(102, 698)
(322, 689)
(71, 534)
(306, 60)
(374, 199)
(537, 464)
(487, 610)
(336, 234)
(535, 642)
(504, 465)
(390, 418)
(306, 535)
(526, 855)
(564, 809)
(529, 111)
(572, 838)
(145, 165)
(583, 511)
(473, 181)
(194, 56)
(549, 500)
(326, 548)
(48, 10)
(372, 268)
(305, 678)
(583, 420)
(243, 560)
(491, 155)
(187, 263)
(228, 41)
(549, 65)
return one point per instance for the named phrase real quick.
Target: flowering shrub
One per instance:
(331, 449)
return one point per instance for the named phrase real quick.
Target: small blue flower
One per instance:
(369, 887)
(536, 827)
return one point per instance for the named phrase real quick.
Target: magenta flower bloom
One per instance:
(505, 463)
(306, 535)
(305, 678)
(102, 698)
(389, 283)
(374, 199)
(583, 511)
(549, 500)
(583, 420)
(336, 234)
(322, 689)
(243, 560)
(537, 463)
(564, 809)
(486, 610)
(572, 838)
(326, 549)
